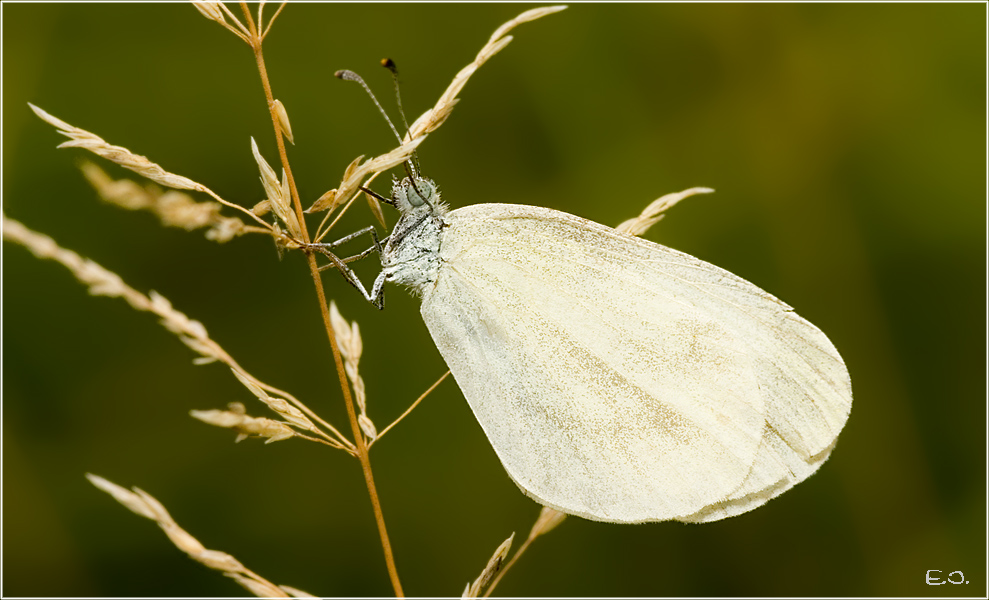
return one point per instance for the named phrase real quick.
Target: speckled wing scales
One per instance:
(623, 381)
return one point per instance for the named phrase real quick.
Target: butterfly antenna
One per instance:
(390, 65)
(393, 68)
(348, 75)
(410, 168)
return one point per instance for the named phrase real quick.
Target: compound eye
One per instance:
(422, 192)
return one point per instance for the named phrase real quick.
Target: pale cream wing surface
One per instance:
(624, 381)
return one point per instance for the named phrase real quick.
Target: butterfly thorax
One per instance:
(411, 256)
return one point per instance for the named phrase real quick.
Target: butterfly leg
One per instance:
(377, 296)
(369, 229)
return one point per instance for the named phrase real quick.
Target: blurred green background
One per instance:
(847, 147)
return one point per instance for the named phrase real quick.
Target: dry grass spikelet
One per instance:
(216, 11)
(290, 413)
(145, 505)
(431, 119)
(357, 171)
(245, 425)
(548, 520)
(102, 282)
(654, 212)
(351, 346)
(279, 195)
(283, 123)
(137, 163)
(174, 208)
(490, 570)
(80, 138)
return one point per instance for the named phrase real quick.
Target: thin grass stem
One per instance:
(409, 409)
(362, 453)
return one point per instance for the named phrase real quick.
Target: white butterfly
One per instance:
(617, 379)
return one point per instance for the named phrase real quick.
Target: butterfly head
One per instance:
(411, 193)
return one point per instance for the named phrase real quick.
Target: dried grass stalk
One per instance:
(259, 589)
(654, 212)
(296, 593)
(142, 503)
(174, 208)
(412, 406)
(431, 119)
(271, 21)
(192, 333)
(490, 570)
